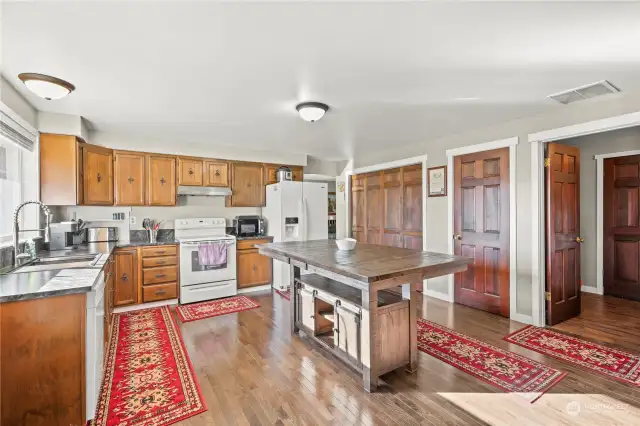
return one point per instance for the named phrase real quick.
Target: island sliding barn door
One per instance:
(622, 227)
(386, 207)
(481, 229)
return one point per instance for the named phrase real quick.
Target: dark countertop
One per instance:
(263, 237)
(35, 285)
(146, 243)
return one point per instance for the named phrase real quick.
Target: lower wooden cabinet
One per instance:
(254, 269)
(126, 277)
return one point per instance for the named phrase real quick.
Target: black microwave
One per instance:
(248, 226)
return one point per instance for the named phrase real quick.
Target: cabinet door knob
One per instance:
(99, 177)
(217, 172)
(190, 171)
(254, 268)
(162, 181)
(124, 277)
(579, 240)
(130, 179)
(457, 237)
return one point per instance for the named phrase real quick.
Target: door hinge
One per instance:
(547, 162)
(547, 296)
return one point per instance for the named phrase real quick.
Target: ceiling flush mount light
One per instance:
(45, 86)
(311, 111)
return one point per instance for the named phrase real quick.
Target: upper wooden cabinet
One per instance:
(216, 173)
(190, 171)
(161, 182)
(97, 175)
(271, 173)
(60, 170)
(129, 178)
(247, 185)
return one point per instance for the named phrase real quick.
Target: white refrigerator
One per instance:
(295, 211)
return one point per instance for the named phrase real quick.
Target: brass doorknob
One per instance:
(579, 240)
(457, 237)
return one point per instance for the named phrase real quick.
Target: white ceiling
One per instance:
(393, 74)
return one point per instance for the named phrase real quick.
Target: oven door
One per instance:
(191, 272)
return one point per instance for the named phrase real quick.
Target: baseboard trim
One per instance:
(525, 319)
(254, 289)
(145, 306)
(436, 295)
(587, 289)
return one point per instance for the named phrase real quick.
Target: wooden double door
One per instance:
(622, 227)
(386, 207)
(481, 229)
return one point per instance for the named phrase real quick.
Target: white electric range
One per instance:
(199, 283)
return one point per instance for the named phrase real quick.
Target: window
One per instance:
(10, 186)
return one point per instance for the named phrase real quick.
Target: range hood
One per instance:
(203, 191)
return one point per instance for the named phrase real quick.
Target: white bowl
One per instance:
(346, 244)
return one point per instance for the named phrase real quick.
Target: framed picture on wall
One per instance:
(437, 181)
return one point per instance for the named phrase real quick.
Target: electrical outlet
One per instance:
(132, 219)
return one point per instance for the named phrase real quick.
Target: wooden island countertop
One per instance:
(369, 269)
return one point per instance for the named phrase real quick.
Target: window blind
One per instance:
(11, 129)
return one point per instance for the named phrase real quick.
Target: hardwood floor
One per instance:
(252, 372)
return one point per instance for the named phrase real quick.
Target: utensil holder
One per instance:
(152, 235)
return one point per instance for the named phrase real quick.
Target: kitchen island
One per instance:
(343, 302)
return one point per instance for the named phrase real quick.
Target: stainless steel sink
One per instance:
(60, 262)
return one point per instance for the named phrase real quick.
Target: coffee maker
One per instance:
(62, 235)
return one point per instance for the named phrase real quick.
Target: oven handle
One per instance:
(229, 243)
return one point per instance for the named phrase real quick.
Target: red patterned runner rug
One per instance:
(284, 293)
(503, 369)
(214, 308)
(148, 379)
(609, 362)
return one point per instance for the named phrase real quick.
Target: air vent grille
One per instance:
(600, 88)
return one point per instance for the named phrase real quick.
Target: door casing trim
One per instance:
(510, 143)
(537, 141)
(599, 289)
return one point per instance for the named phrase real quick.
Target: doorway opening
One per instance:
(592, 231)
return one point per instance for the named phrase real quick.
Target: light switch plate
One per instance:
(132, 220)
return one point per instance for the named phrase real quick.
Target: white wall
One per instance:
(317, 166)
(601, 143)
(437, 210)
(62, 124)
(14, 100)
(342, 230)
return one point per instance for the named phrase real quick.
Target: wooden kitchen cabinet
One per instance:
(254, 269)
(161, 182)
(97, 175)
(190, 171)
(271, 173)
(129, 178)
(216, 173)
(297, 174)
(126, 277)
(61, 165)
(247, 185)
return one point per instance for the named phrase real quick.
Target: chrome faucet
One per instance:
(17, 231)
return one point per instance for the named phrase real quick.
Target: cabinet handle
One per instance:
(160, 251)
(124, 277)
(161, 275)
(254, 268)
(99, 177)
(160, 292)
(130, 179)
(160, 262)
(190, 171)
(162, 181)
(217, 172)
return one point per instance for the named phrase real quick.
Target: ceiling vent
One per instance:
(588, 91)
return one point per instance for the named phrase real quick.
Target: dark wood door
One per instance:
(481, 229)
(129, 178)
(562, 172)
(126, 279)
(161, 180)
(622, 227)
(98, 175)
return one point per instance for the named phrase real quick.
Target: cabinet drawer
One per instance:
(159, 292)
(159, 275)
(159, 251)
(249, 244)
(151, 262)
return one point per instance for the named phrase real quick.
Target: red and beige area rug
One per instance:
(214, 308)
(148, 379)
(612, 363)
(503, 369)
(284, 293)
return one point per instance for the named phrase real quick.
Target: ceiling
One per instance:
(393, 74)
